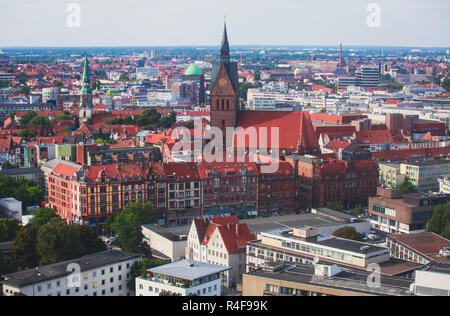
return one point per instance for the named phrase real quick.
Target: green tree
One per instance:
(357, 211)
(25, 120)
(439, 222)
(24, 251)
(406, 186)
(64, 116)
(43, 216)
(126, 225)
(124, 77)
(58, 84)
(446, 84)
(8, 229)
(335, 206)
(56, 242)
(23, 90)
(88, 238)
(139, 269)
(348, 232)
(8, 165)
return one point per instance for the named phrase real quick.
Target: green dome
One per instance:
(193, 70)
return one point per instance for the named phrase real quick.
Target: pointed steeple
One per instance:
(225, 47)
(86, 75)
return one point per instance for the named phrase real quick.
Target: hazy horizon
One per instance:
(265, 23)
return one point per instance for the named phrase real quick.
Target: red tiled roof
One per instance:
(295, 129)
(63, 169)
(234, 235)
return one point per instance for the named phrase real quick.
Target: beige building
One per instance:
(164, 243)
(220, 241)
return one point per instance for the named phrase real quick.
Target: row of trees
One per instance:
(49, 239)
(29, 192)
(150, 119)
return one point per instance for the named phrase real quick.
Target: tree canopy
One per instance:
(439, 222)
(8, 229)
(406, 186)
(126, 225)
(348, 232)
(28, 192)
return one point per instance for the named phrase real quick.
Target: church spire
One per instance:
(225, 47)
(86, 75)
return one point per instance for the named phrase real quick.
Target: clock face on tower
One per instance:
(223, 82)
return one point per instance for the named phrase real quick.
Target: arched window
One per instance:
(217, 104)
(228, 104)
(223, 104)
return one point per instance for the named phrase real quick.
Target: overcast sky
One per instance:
(200, 22)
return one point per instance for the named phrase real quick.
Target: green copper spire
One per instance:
(86, 76)
(86, 91)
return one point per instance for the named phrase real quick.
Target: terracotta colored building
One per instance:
(324, 180)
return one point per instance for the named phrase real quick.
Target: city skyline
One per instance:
(251, 23)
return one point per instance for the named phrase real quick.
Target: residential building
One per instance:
(221, 241)
(102, 274)
(182, 278)
(11, 208)
(393, 212)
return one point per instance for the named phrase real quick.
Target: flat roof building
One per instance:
(393, 212)
(101, 274)
(182, 278)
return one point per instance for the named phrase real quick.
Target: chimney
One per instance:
(237, 230)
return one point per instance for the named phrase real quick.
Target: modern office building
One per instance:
(424, 174)
(182, 278)
(102, 274)
(393, 212)
(368, 76)
(390, 175)
(319, 279)
(303, 245)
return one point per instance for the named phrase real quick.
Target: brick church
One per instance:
(296, 133)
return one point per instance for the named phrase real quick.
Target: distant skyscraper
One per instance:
(86, 107)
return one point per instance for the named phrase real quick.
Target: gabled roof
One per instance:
(295, 128)
(234, 235)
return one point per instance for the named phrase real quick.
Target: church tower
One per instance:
(86, 107)
(224, 88)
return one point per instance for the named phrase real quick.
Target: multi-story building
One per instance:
(220, 241)
(176, 193)
(324, 180)
(393, 212)
(302, 245)
(101, 274)
(368, 76)
(389, 174)
(319, 279)
(90, 194)
(422, 248)
(424, 174)
(182, 278)
(229, 188)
